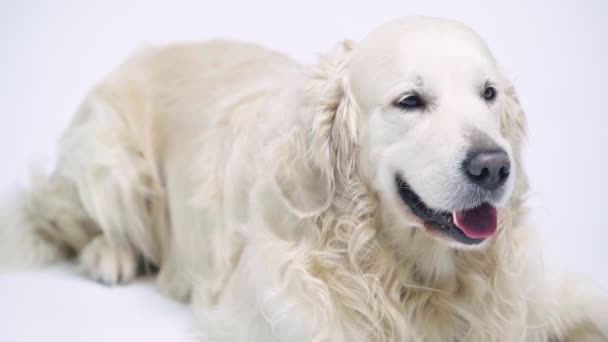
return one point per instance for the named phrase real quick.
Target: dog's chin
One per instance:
(469, 228)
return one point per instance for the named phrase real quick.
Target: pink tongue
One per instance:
(477, 223)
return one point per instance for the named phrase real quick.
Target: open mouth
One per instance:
(470, 226)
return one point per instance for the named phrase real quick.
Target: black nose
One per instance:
(488, 169)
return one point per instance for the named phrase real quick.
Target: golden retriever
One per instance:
(376, 196)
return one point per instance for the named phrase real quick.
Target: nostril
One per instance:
(483, 174)
(504, 172)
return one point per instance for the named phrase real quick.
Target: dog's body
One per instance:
(264, 190)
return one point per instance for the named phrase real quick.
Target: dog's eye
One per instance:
(410, 102)
(489, 93)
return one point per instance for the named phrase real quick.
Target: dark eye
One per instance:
(410, 102)
(489, 93)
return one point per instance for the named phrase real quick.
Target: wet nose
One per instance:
(487, 169)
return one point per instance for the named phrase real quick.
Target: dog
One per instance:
(378, 195)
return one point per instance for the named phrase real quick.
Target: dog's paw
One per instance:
(108, 264)
(174, 284)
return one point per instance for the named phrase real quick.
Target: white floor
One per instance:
(58, 305)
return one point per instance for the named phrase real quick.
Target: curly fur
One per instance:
(248, 180)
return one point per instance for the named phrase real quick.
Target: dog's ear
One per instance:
(335, 120)
(321, 148)
(513, 120)
(514, 127)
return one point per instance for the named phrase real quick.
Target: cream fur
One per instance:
(261, 189)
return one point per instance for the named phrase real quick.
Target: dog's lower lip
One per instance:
(437, 221)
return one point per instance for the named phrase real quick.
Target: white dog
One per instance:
(377, 196)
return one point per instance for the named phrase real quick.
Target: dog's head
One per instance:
(425, 118)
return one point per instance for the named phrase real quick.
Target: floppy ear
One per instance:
(335, 120)
(320, 148)
(514, 126)
(513, 120)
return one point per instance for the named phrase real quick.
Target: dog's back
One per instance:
(160, 129)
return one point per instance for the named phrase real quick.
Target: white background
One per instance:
(52, 52)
